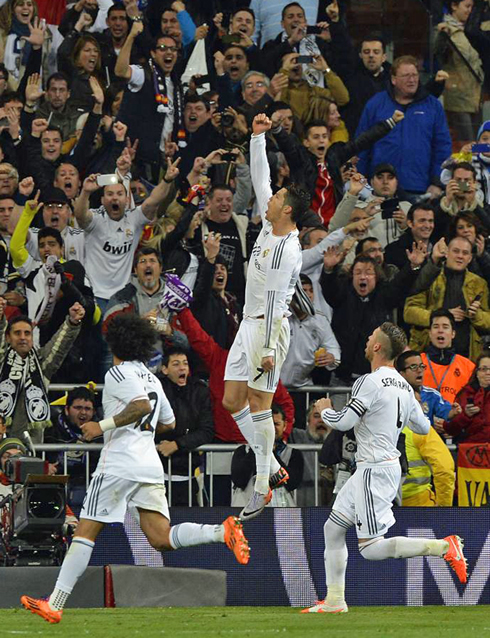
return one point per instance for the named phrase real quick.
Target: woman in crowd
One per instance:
(80, 58)
(473, 424)
(466, 224)
(21, 31)
(462, 95)
(336, 127)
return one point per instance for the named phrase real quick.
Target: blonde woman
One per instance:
(21, 32)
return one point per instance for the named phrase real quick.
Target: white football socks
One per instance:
(75, 563)
(263, 446)
(335, 557)
(402, 547)
(244, 421)
(190, 534)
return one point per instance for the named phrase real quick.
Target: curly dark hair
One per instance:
(131, 337)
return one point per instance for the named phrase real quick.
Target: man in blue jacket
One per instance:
(421, 143)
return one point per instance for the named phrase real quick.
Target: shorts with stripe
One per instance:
(366, 499)
(108, 497)
(245, 356)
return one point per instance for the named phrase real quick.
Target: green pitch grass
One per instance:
(256, 622)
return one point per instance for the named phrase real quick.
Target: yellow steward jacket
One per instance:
(428, 459)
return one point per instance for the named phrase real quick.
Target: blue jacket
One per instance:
(417, 145)
(433, 404)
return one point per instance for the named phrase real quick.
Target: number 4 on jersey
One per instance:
(399, 422)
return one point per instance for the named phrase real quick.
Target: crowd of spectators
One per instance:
(124, 156)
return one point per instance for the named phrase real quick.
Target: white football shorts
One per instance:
(245, 356)
(366, 499)
(108, 497)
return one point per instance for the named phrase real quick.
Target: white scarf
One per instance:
(49, 292)
(308, 46)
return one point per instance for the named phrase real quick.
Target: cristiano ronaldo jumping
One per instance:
(381, 405)
(135, 408)
(261, 344)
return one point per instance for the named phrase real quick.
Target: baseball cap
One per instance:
(385, 168)
(55, 196)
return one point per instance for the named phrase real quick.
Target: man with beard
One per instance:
(56, 104)
(316, 432)
(142, 295)
(67, 429)
(112, 233)
(381, 404)
(153, 103)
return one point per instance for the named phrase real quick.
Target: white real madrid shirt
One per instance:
(275, 263)
(382, 403)
(129, 451)
(73, 244)
(109, 248)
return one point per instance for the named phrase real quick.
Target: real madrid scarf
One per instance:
(48, 276)
(24, 374)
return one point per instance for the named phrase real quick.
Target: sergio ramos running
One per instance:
(381, 405)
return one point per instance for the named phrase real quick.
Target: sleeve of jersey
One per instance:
(166, 415)
(260, 172)
(18, 241)
(364, 391)
(279, 274)
(125, 385)
(442, 408)
(314, 256)
(419, 423)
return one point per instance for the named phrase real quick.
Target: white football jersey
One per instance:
(129, 451)
(382, 403)
(275, 263)
(73, 244)
(109, 248)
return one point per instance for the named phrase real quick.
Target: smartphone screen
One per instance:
(304, 59)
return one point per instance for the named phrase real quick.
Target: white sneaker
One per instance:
(322, 608)
(255, 505)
